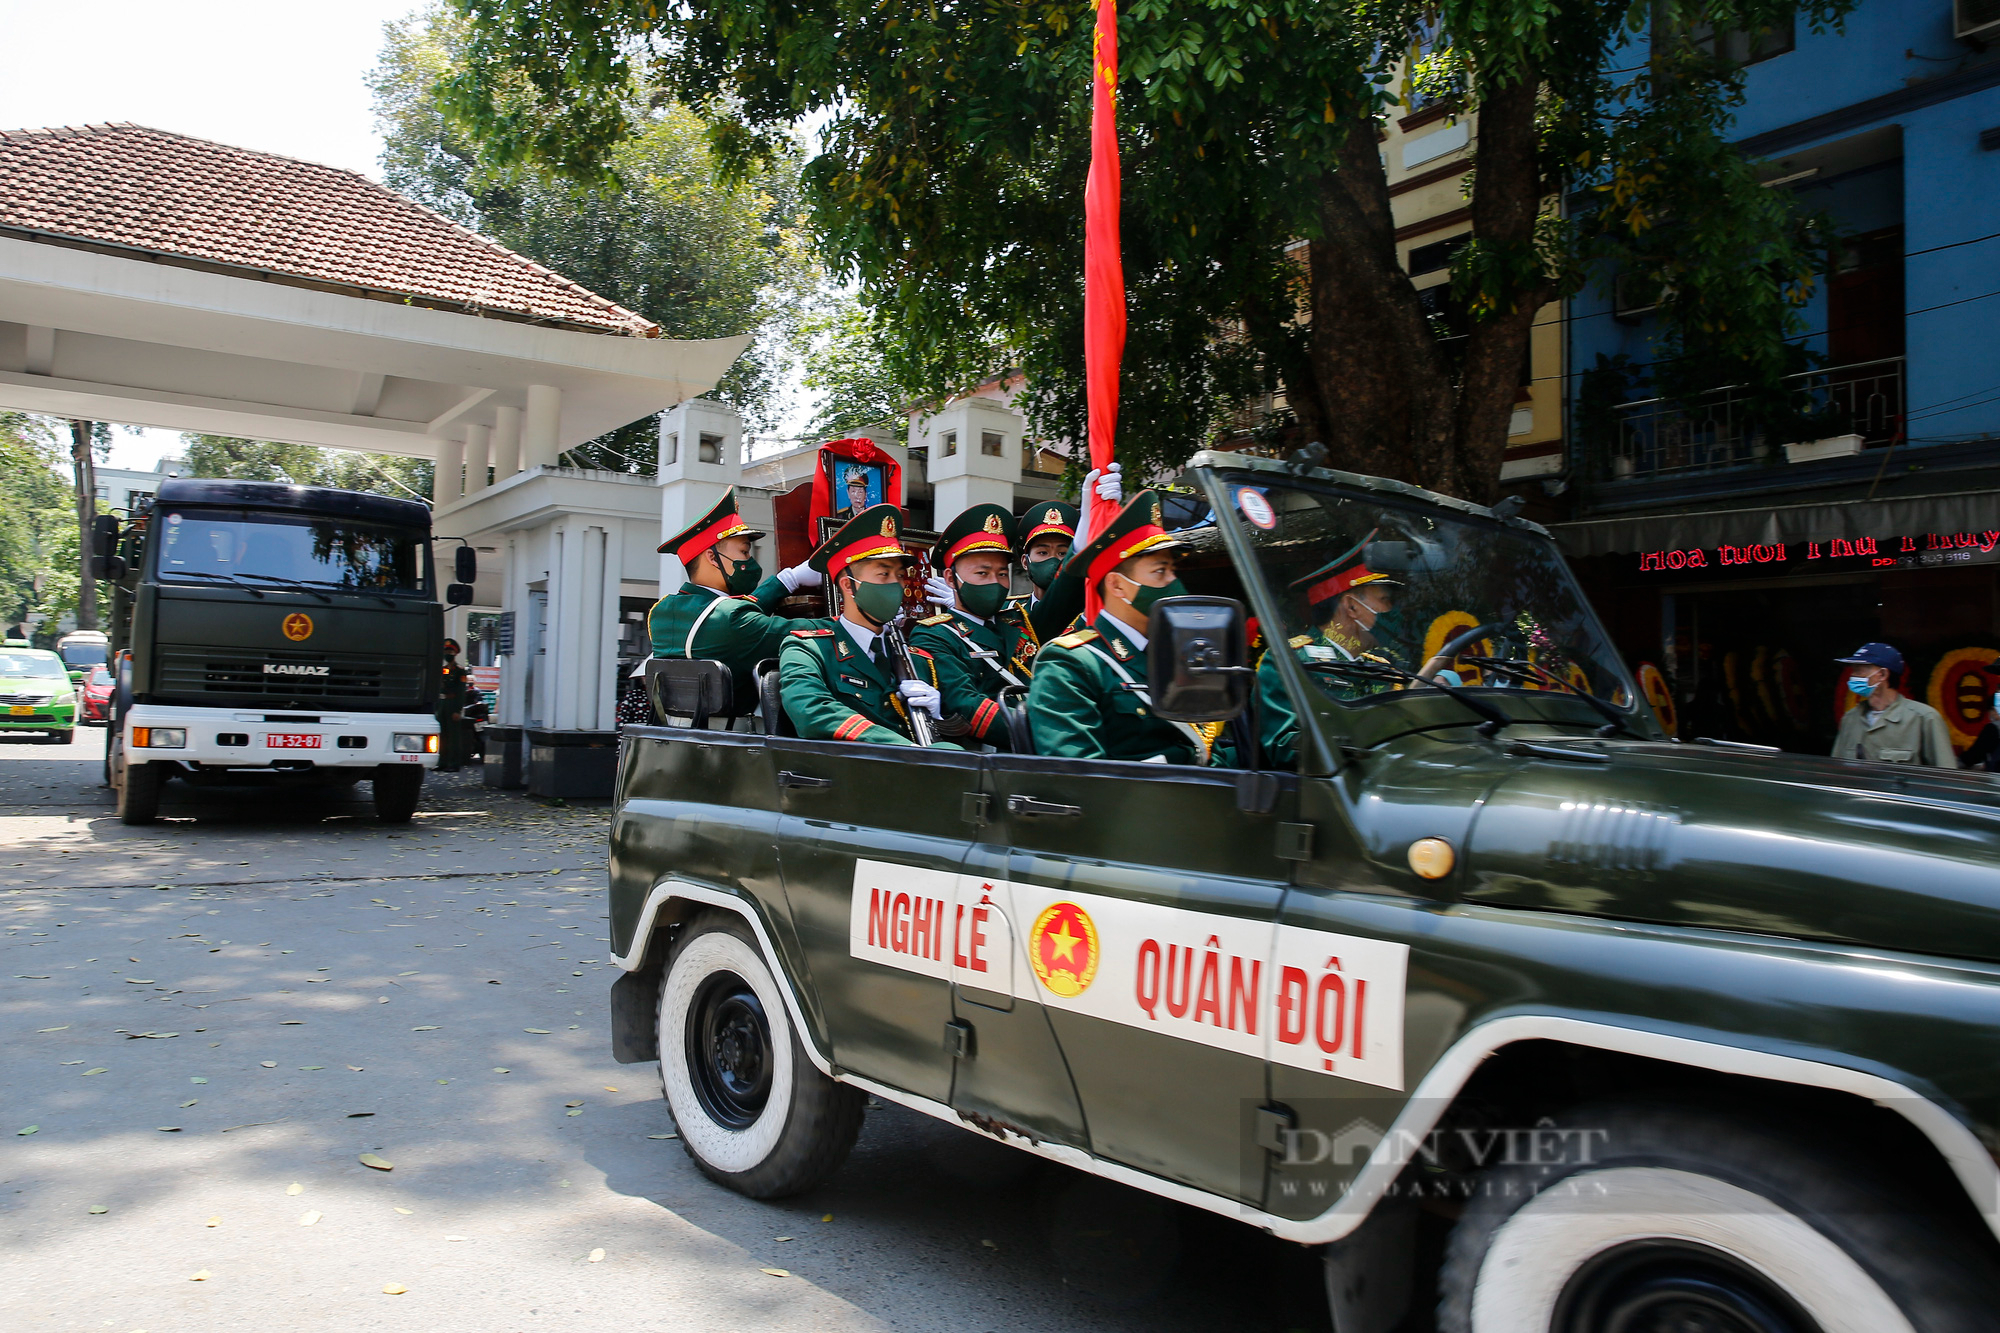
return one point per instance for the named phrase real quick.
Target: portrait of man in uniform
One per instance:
(860, 488)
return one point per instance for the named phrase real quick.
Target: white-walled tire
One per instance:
(754, 1113)
(1675, 1219)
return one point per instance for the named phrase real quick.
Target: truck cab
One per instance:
(273, 632)
(1464, 973)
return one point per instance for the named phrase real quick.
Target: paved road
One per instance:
(206, 1023)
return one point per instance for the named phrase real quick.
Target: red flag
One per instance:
(1103, 268)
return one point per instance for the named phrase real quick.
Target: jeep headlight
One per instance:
(159, 738)
(415, 742)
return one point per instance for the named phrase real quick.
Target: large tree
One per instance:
(949, 180)
(657, 228)
(39, 568)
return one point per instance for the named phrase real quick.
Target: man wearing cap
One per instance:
(1345, 600)
(722, 612)
(836, 677)
(1089, 698)
(857, 493)
(1885, 725)
(980, 643)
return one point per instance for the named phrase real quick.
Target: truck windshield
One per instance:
(270, 550)
(1374, 591)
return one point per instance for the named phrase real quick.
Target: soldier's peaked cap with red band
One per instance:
(719, 522)
(873, 534)
(1338, 575)
(1050, 518)
(980, 528)
(1136, 531)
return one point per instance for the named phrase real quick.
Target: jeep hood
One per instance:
(1778, 844)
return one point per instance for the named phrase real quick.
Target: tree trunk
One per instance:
(1383, 388)
(86, 516)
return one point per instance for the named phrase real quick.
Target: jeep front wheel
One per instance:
(1660, 1220)
(753, 1112)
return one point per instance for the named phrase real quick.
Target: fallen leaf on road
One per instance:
(827, 1218)
(25, 977)
(431, 1028)
(310, 1068)
(596, 1257)
(356, 1068)
(268, 1064)
(98, 1208)
(201, 1276)
(381, 999)
(781, 1238)
(134, 981)
(197, 1080)
(609, 1088)
(394, 1289)
(99, 1070)
(405, 1211)
(458, 1238)
(63, 1028)
(291, 1022)
(663, 1136)
(539, 1032)
(213, 1222)
(307, 1219)
(370, 1159)
(775, 1272)
(189, 1102)
(359, 1115)
(572, 1103)
(578, 1111)
(31, 1129)
(168, 1129)
(406, 974)
(295, 1188)
(498, 1070)
(989, 1244)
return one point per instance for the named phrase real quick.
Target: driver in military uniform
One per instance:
(1089, 698)
(722, 613)
(1346, 600)
(980, 642)
(836, 677)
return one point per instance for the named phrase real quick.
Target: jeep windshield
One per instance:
(270, 551)
(1380, 596)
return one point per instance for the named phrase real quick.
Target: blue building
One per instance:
(1739, 556)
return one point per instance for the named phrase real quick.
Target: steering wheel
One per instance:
(1459, 643)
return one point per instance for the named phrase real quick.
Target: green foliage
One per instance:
(38, 536)
(953, 148)
(308, 465)
(653, 226)
(848, 356)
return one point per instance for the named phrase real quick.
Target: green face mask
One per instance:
(1142, 600)
(981, 599)
(1043, 572)
(878, 601)
(740, 576)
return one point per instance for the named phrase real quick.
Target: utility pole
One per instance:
(86, 515)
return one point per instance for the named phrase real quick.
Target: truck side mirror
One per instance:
(458, 594)
(104, 535)
(110, 568)
(465, 565)
(1196, 659)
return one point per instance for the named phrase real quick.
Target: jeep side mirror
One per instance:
(458, 594)
(1196, 659)
(465, 566)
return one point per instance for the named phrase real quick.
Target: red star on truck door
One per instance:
(1063, 949)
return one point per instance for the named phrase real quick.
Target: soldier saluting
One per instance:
(979, 641)
(1089, 699)
(836, 678)
(722, 612)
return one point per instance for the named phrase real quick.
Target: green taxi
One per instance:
(1525, 1016)
(37, 694)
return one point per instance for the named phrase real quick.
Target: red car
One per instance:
(94, 694)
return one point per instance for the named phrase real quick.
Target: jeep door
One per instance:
(871, 839)
(1145, 897)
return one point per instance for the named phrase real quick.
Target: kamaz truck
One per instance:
(267, 632)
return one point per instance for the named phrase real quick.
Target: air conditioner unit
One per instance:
(1974, 20)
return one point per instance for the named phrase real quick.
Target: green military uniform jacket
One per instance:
(971, 684)
(1058, 610)
(1081, 709)
(739, 633)
(832, 690)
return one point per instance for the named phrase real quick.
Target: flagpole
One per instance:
(1103, 267)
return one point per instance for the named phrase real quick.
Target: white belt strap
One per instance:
(687, 649)
(1200, 741)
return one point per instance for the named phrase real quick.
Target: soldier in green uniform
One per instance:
(1048, 533)
(722, 613)
(979, 642)
(453, 743)
(835, 677)
(1089, 697)
(1344, 599)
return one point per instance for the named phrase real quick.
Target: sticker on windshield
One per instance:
(1256, 508)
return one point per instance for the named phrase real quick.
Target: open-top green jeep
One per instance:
(1467, 959)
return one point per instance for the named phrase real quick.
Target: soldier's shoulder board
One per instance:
(941, 618)
(1301, 641)
(812, 634)
(1075, 638)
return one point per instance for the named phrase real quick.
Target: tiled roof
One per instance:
(144, 189)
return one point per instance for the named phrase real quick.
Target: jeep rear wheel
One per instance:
(754, 1113)
(1665, 1221)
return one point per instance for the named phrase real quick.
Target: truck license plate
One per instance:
(20, 710)
(291, 740)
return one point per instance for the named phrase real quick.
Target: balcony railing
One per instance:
(1728, 427)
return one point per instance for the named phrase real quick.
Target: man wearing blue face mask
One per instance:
(1886, 726)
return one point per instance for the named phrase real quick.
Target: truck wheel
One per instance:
(753, 1111)
(396, 793)
(139, 792)
(1663, 1219)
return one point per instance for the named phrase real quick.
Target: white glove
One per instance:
(938, 589)
(1110, 486)
(800, 576)
(918, 694)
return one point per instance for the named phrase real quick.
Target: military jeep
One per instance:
(1464, 959)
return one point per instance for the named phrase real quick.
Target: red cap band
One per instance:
(725, 526)
(868, 548)
(1118, 552)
